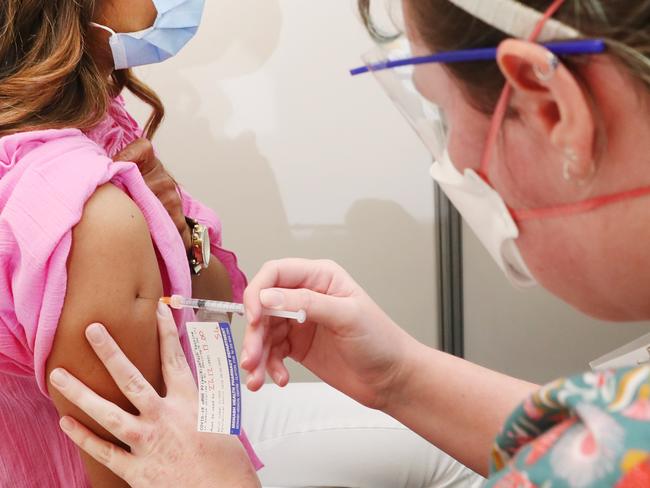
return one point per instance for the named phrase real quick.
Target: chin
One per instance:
(609, 312)
(599, 302)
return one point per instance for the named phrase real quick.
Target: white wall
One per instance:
(265, 125)
(299, 159)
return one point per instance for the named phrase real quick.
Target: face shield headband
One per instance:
(485, 211)
(515, 19)
(393, 68)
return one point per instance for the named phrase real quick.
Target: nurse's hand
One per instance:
(159, 181)
(348, 341)
(165, 448)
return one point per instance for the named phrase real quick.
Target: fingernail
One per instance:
(278, 377)
(249, 381)
(272, 298)
(59, 378)
(164, 311)
(66, 424)
(244, 357)
(96, 333)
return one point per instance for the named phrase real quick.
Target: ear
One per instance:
(549, 98)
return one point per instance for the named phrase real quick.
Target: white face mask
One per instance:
(478, 203)
(488, 216)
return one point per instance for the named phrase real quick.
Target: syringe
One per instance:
(178, 302)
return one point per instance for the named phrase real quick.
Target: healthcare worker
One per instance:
(551, 173)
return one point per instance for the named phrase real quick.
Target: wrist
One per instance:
(407, 367)
(186, 235)
(234, 470)
(212, 480)
(198, 251)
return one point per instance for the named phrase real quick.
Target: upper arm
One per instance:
(113, 278)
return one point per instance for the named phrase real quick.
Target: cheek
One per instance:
(591, 262)
(468, 131)
(467, 128)
(149, 12)
(129, 15)
(524, 170)
(560, 263)
(550, 252)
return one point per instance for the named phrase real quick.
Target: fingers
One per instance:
(104, 452)
(159, 181)
(141, 153)
(127, 377)
(273, 348)
(322, 311)
(176, 370)
(258, 375)
(275, 365)
(288, 273)
(252, 347)
(319, 307)
(293, 284)
(112, 418)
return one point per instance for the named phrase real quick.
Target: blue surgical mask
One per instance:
(177, 22)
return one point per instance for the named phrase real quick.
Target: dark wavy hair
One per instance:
(48, 78)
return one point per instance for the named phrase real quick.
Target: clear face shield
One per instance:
(410, 82)
(398, 82)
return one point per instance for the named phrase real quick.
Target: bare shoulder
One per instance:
(113, 223)
(114, 279)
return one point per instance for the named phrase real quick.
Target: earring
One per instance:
(553, 65)
(570, 159)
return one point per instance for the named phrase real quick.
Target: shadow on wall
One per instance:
(373, 245)
(240, 46)
(378, 242)
(228, 173)
(233, 176)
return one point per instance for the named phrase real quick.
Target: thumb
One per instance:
(319, 307)
(141, 153)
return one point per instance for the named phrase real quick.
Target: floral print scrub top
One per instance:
(591, 430)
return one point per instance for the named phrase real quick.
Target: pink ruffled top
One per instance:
(45, 179)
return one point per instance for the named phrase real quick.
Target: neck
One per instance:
(624, 134)
(101, 51)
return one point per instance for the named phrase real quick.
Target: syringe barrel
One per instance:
(223, 307)
(211, 305)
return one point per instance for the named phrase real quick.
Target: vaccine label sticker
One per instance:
(218, 377)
